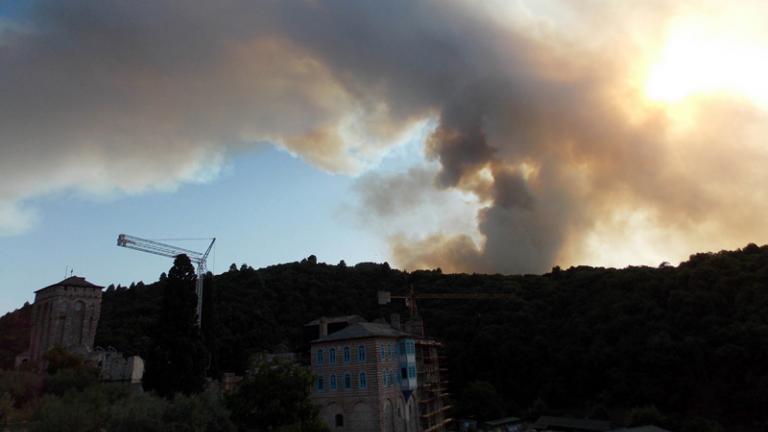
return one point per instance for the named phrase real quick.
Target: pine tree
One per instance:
(178, 359)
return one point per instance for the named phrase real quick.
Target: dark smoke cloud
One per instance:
(115, 95)
(540, 127)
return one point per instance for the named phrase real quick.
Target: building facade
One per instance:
(367, 378)
(65, 314)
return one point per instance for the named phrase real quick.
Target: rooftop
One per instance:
(360, 330)
(338, 319)
(73, 281)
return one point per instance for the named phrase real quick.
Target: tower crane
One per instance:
(162, 249)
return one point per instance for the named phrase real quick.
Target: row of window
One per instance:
(320, 356)
(386, 352)
(362, 382)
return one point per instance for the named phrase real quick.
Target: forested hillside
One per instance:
(691, 340)
(15, 328)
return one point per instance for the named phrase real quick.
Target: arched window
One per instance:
(320, 384)
(363, 383)
(333, 382)
(347, 381)
(346, 354)
(361, 353)
(46, 325)
(332, 356)
(63, 326)
(319, 357)
(339, 420)
(78, 315)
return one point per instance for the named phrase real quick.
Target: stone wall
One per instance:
(115, 367)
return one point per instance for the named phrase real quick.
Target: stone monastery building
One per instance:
(373, 376)
(64, 314)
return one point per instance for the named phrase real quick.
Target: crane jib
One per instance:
(166, 250)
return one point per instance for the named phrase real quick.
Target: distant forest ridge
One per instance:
(691, 340)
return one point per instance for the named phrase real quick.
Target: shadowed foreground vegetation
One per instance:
(69, 397)
(685, 345)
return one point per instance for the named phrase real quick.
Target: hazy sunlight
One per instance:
(702, 56)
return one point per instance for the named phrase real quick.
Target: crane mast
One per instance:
(166, 250)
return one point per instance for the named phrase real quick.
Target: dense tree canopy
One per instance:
(70, 397)
(691, 340)
(275, 397)
(15, 328)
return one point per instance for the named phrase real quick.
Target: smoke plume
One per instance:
(538, 122)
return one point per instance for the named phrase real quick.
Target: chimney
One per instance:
(323, 327)
(394, 321)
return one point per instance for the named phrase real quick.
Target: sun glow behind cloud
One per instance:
(706, 54)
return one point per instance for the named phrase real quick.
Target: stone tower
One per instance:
(64, 314)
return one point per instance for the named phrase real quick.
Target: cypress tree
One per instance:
(210, 325)
(178, 359)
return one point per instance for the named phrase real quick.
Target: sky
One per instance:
(474, 136)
